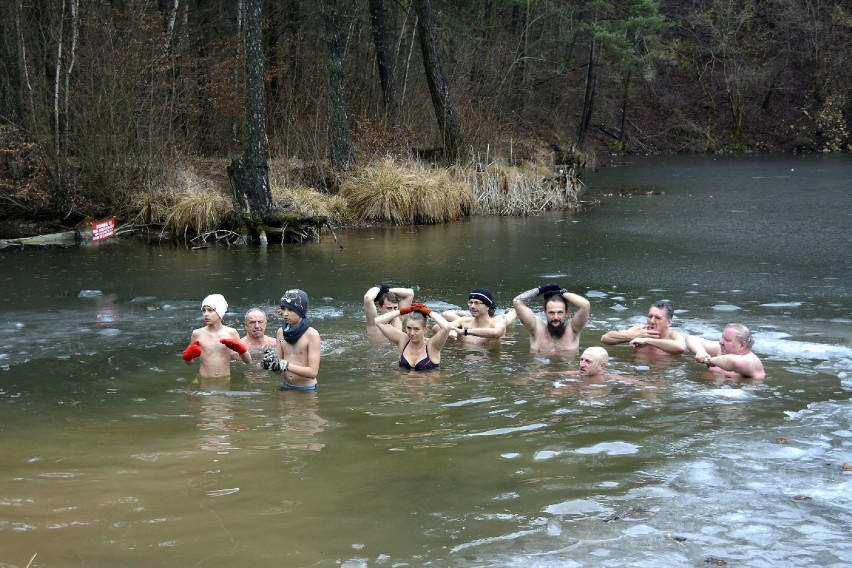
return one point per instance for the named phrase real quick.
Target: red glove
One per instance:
(234, 345)
(192, 351)
(418, 307)
(406, 310)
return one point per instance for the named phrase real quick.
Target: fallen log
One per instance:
(63, 239)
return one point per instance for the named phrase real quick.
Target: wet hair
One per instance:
(417, 316)
(556, 296)
(665, 305)
(390, 296)
(742, 334)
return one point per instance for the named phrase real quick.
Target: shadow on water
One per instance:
(114, 453)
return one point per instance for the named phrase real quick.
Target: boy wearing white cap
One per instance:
(215, 344)
(297, 355)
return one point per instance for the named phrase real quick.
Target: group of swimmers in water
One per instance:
(392, 313)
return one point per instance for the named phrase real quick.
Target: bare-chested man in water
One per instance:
(480, 326)
(256, 339)
(655, 337)
(381, 299)
(561, 332)
(731, 356)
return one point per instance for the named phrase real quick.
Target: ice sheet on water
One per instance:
(470, 401)
(325, 312)
(90, 294)
(777, 345)
(574, 507)
(727, 393)
(92, 328)
(502, 431)
(547, 454)
(610, 448)
(726, 308)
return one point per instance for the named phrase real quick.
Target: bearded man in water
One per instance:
(562, 331)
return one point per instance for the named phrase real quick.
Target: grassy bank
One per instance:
(191, 203)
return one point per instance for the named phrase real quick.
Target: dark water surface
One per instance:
(112, 455)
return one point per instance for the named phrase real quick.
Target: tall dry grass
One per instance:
(306, 202)
(385, 191)
(518, 190)
(405, 193)
(187, 203)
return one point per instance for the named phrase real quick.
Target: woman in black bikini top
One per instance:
(417, 352)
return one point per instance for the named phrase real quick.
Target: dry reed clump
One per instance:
(518, 190)
(310, 203)
(306, 202)
(406, 193)
(188, 205)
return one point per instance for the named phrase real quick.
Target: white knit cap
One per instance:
(217, 302)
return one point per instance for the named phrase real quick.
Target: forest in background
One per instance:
(102, 101)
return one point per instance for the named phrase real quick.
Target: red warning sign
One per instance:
(103, 229)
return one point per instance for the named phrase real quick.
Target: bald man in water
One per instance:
(593, 363)
(731, 355)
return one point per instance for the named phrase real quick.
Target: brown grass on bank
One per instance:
(387, 191)
(305, 202)
(519, 190)
(405, 193)
(187, 204)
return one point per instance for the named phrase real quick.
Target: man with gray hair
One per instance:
(655, 337)
(731, 356)
(256, 339)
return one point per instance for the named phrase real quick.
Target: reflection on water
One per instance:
(114, 455)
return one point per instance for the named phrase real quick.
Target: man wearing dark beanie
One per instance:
(297, 353)
(480, 326)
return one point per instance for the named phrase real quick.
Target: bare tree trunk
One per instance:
(448, 122)
(341, 146)
(625, 98)
(589, 98)
(72, 56)
(408, 57)
(56, 95)
(170, 27)
(383, 60)
(522, 16)
(249, 175)
(28, 110)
